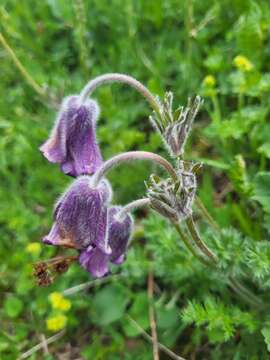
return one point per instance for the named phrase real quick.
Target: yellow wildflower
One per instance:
(209, 81)
(242, 63)
(56, 323)
(59, 302)
(33, 248)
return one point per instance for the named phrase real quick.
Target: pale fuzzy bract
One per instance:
(174, 126)
(173, 199)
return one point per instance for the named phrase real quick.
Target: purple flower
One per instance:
(81, 216)
(72, 142)
(95, 260)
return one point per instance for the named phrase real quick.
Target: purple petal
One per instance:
(54, 149)
(95, 262)
(72, 142)
(82, 213)
(119, 260)
(119, 234)
(53, 238)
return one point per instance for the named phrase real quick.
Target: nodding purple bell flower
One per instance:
(94, 260)
(81, 216)
(72, 142)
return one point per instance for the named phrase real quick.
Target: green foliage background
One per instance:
(168, 45)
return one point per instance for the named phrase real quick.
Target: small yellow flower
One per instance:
(209, 81)
(242, 63)
(59, 302)
(56, 323)
(33, 248)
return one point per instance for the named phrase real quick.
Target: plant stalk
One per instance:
(189, 245)
(132, 206)
(130, 156)
(206, 214)
(21, 68)
(120, 78)
(199, 242)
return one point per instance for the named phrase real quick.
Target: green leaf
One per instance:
(13, 306)
(109, 304)
(219, 164)
(167, 317)
(266, 335)
(265, 150)
(261, 191)
(139, 312)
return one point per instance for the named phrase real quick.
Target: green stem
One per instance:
(198, 241)
(262, 162)
(217, 116)
(206, 214)
(189, 245)
(21, 68)
(245, 293)
(80, 27)
(240, 101)
(188, 28)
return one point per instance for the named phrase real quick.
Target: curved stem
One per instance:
(189, 245)
(132, 206)
(207, 215)
(121, 78)
(129, 156)
(197, 239)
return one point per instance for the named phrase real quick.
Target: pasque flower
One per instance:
(94, 260)
(72, 142)
(81, 216)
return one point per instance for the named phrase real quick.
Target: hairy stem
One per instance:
(199, 242)
(206, 214)
(130, 156)
(132, 206)
(120, 78)
(189, 245)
